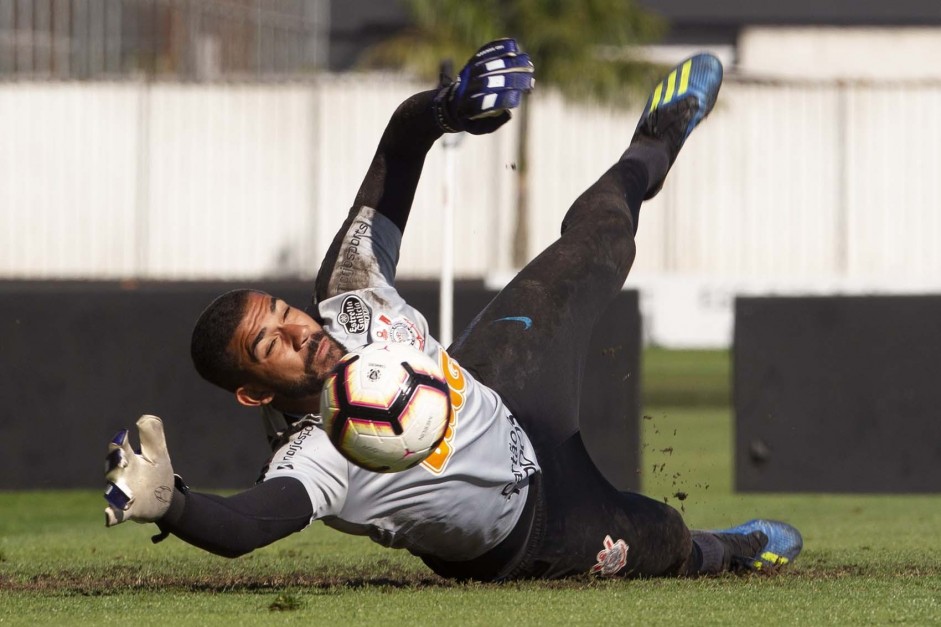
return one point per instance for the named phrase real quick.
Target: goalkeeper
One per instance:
(512, 492)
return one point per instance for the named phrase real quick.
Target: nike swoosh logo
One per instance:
(526, 320)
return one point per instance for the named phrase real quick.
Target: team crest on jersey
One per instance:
(399, 330)
(611, 559)
(354, 315)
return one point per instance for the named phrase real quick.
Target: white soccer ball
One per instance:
(386, 406)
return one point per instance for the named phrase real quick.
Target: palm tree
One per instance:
(581, 47)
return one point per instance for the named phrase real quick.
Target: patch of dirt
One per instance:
(90, 585)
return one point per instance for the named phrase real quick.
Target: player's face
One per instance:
(282, 349)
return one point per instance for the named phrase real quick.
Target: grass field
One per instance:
(867, 559)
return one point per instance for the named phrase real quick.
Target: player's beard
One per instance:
(315, 374)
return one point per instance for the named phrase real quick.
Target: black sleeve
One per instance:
(235, 525)
(390, 183)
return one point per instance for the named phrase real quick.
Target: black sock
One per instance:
(656, 159)
(633, 177)
(714, 557)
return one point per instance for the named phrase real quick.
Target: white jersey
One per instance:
(468, 495)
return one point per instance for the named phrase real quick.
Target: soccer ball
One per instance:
(385, 406)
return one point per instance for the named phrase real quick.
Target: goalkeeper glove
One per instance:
(493, 82)
(140, 485)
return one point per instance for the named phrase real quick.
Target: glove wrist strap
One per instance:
(180, 485)
(439, 107)
(173, 513)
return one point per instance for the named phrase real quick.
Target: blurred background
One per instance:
(208, 139)
(151, 144)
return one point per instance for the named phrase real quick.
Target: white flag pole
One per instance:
(446, 291)
(449, 144)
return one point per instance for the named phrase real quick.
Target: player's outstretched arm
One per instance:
(142, 487)
(238, 524)
(478, 101)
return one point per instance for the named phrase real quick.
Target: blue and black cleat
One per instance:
(772, 545)
(679, 103)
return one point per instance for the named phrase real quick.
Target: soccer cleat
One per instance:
(678, 104)
(761, 545)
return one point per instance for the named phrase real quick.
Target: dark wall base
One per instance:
(838, 394)
(83, 360)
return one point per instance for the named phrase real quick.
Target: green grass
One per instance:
(869, 559)
(686, 378)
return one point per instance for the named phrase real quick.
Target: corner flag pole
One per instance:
(446, 292)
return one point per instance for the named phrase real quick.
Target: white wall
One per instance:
(787, 184)
(230, 181)
(828, 52)
(783, 181)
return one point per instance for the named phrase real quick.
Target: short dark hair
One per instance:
(209, 346)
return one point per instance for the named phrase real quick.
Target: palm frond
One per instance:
(569, 40)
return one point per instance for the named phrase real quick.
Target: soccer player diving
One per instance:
(511, 493)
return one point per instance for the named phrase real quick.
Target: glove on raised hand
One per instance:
(493, 82)
(140, 485)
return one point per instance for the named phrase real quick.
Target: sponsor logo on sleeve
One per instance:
(354, 315)
(353, 267)
(286, 462)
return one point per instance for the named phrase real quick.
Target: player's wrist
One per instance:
(177, 501)
(171, 518)
(441, 106)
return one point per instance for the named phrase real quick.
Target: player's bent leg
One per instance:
(543, 319)
(530, 343)
(588, 526)
(592, 528)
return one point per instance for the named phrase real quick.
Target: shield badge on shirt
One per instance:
(354, 315)
(400, 330)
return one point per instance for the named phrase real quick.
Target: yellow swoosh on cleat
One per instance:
(671, 87)
(655, 99)
(774, 558)
(684, 77)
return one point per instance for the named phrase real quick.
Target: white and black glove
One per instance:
(493, 82)
(140, 485)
